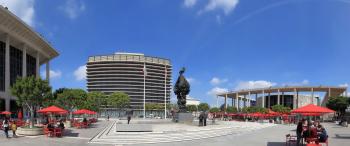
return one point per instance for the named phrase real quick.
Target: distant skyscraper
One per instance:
(137, 75)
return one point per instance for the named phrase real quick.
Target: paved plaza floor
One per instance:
(237, 134)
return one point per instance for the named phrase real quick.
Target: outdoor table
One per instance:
(58, 132)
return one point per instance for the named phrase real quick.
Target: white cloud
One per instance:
(302, 83)
(24, 9)
(217, 90)
(216, 81)
(344, 85)
(191, 80)
(53, 74)
(80, 73)
(73, 8)
(254, 84)
(226, 5)
(189, 3)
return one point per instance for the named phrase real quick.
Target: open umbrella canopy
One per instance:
(311, 108)
(84, 111)
(52, 109)
(5, 113)
(272, 112)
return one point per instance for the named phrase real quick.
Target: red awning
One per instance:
(311, 108)
(5, 113)
(52, 109)
(84, 111)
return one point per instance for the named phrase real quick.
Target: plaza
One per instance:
(225, 133)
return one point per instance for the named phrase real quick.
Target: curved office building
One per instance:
(126, 72)
(22, 52)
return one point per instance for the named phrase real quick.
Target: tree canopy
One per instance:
(191, 108)
(71, 99)
(281, 109)
(338, 104)
(214, 110)
(154, 106)
(94, 101)
(203, 107)
(31, 92)
(118, 100)
(231, 109)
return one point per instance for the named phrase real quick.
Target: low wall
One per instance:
(30, 131)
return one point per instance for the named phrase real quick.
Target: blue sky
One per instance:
(224, 44)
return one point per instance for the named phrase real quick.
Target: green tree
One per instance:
(31, 92)
(94, 101)
(339, 104)
(118, 100)
(231, 109)
(203, 107)
(281, 109)
(191, 108)
(71, 99)
(214, 110)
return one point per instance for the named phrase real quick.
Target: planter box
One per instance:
(30, 131)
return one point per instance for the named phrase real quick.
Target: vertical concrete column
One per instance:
(232, 102)
(217, 101)
(37, 64)
(329, 92)
(225, 102)
(7, 73)
(236, 100)
(249, 96)
(263, 99)
(312, 95)
(24, 61)
(269, 100)
(256, 99)
(244, 100)
(295, 99)
(48, 72)
(278, 97)
(283, 98)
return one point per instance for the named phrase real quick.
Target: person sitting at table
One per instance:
(61, 124)
(322, 136)
(299, 132)
(85, 120)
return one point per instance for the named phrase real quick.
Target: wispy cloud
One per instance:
(191, 80)
(80, 73)
(53, 74)
(216, 90)
(189, 3)
(302, 83)
(227, 6)
(24, 9)
(344, 85)
(73, 8)
(254, 84)
(217, 81)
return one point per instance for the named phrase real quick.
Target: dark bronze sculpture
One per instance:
(181, 89)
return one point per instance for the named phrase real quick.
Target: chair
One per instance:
(58, 132)
(290, 139)
(47, 132)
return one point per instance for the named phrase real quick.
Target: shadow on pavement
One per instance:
(342, 136)
(276, 143)
(69, 133)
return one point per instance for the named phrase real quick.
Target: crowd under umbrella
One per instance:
(312, 110)
(52, 110)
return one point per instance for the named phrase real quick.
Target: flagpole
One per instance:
(144, 90)
(165, 93)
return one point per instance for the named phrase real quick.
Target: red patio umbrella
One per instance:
(20, 115)
(311, 108)
(5, 113)
(84, 111)
(52, 109)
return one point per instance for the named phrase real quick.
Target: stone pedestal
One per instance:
(183, 118)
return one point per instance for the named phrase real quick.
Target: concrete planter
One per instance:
(30, 131)
(68, 124)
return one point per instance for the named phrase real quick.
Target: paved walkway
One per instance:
(266, 136)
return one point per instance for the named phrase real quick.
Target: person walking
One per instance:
(5, 125)
(299, 132)
(14, 129)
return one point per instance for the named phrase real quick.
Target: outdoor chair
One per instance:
(47, 132)
(58, 132)
(291, 139)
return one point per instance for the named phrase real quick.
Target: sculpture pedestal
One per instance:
(183, 118)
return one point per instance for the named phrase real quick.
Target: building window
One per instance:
(15, 64)
(31, 66)
(2, 65)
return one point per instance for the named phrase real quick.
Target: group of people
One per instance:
(203, 119)
(7, 126)
(314, 130)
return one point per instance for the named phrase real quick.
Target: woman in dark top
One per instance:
(299, 132)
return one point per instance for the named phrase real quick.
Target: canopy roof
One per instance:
(5, 113)
(311, 108)
(52, 109)
(84, 111)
